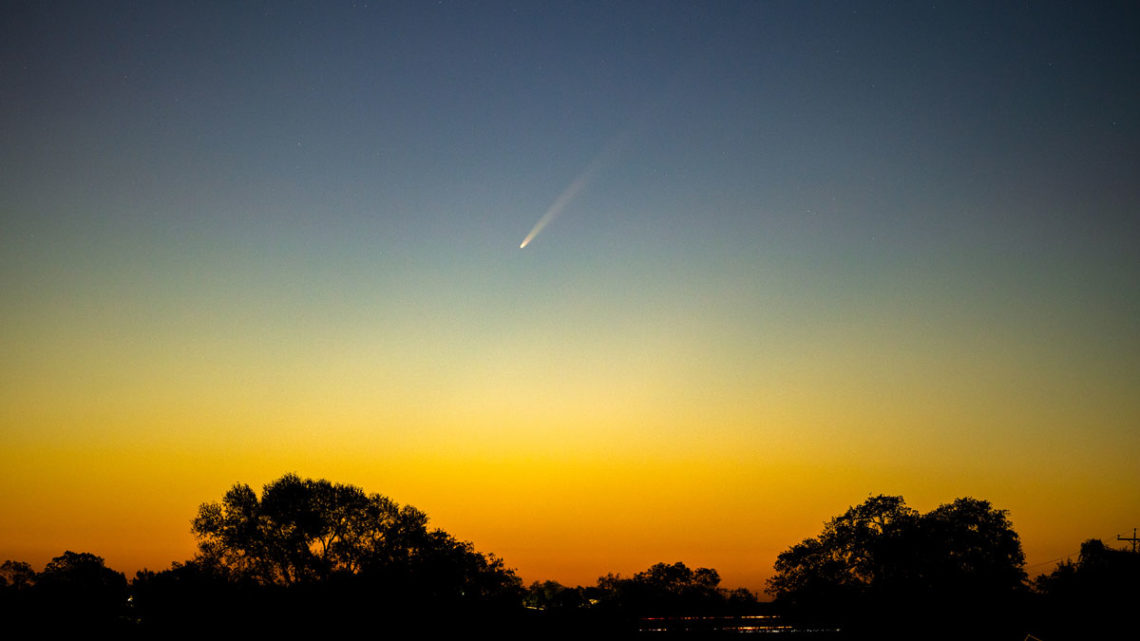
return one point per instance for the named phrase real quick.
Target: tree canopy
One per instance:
(306, 531)
(1091, 597)
(665, 584)
(883, 555)
(303, 529)
(309, 554)
(74, 592)
(17, 575)
(672, 588)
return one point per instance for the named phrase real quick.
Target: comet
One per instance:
(564, 199)
(601, 159)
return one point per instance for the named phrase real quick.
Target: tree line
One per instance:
(310, 556)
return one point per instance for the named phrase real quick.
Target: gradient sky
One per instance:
(813, 251)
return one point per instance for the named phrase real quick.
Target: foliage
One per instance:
(551, 596)
(75, 592)
(191, 594)
(314, 556)
(881, 558)
(16, 575)
(1091, 597)
(312, 531)
(303, 530)
(970, 548)
(82, 579)
(865, 546)
(667, 589)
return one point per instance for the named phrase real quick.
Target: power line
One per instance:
(1132, 538)
(1060, 558)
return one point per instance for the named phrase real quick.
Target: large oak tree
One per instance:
(882, 563)
(304, 531)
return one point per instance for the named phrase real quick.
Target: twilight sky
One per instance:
(799, 253)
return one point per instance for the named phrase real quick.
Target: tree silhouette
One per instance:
(553, 597)
(882, 564)
(17, 601)
(16, 575)
(1092, 597)
(971, 549)
(77, 591)
(868, 547)
(305, 530)
(308, 552)
(666, 589)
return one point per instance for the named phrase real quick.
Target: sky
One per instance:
(785, 256)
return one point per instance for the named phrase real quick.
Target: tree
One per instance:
(16, 575)
(1089, 598)
(969, 548)
(868, 547)
(882, 563)
(76, 590)
(304, 531)
(553, 597)
(311, 555)
(665, 589)
(17, 603)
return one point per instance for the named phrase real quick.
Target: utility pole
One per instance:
(1133, 539)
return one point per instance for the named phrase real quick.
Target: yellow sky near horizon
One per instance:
(569, 504)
